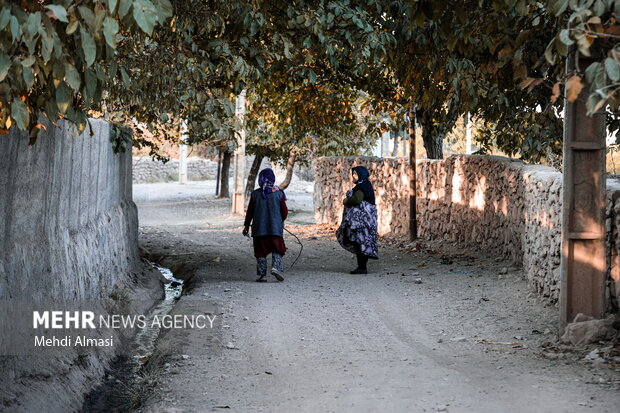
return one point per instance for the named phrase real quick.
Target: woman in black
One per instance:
(358, 231)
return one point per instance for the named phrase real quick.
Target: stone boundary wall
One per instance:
(494, 204)
(68, 225)
(147, 170)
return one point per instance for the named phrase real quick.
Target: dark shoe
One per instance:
(262, 279)
(358, 271)
(277, 273)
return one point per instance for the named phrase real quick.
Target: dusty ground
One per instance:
(430, 330)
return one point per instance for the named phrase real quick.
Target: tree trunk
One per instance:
(252, 176)
(395, 149)
(433, 142)
(289, 171)
(217, 178)
(224, 188)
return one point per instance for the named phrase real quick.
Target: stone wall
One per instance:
(146, 170)
(68, 224)
(501, 206)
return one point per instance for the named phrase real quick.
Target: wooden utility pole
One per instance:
(183, 154)
(583, 263)
(238, 201)
(413, 223)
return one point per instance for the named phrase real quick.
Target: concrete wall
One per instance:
(501, 206)
(68, 225)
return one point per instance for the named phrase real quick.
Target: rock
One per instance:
(585, 330)
(503, 271)
(417, 281)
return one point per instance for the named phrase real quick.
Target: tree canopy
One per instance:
(161, 62)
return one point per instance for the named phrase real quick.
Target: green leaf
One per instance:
(16, 30)
(88, 16)
(112, 5)
(28, 76)
(88, 46)
(145, 15)
(565, 37)
(19, 112)
(598, 8)
(560, 6)
(560, 46)
(47, 46)
(5, 65)
(110, 28)
(51, 110)
(124, 7)
(72, 27)
(29, 61)
(63, 97)
(5, 16)
(612, 69)
(34, 22)
(125, 77)
(91, 81)
(59, 12)
(72, 76)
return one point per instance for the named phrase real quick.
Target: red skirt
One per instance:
(267, 244)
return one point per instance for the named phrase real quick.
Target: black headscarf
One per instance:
(364, 185)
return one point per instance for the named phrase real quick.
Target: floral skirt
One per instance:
(359, 226)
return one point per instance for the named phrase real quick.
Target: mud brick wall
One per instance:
(494, 204)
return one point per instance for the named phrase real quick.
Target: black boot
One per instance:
(362, 260)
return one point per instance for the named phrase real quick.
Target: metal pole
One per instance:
(583, 261)
(413, 224)
(238, 201)
(183, 154)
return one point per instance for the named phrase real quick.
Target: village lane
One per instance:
(430, 329)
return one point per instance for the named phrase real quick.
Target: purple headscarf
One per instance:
(267, 180)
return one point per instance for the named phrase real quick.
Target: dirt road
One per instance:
(430, 330)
